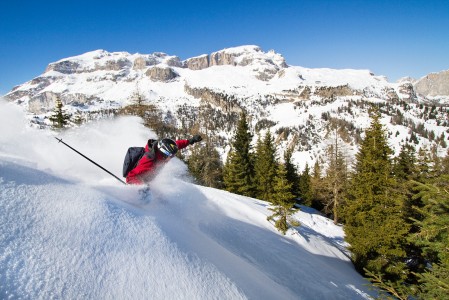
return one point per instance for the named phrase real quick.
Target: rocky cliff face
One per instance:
(161, 74)
(73, 67)
(222, 100)
(266, 65)
(433, 85)
(198, 63)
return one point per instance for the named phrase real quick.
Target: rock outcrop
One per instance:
(64, 67)
(407, 91)
(266, 65)
(42, 102)
(198, 63)
(328, 92)
(434, 84)
(222, 100)
(163, 74)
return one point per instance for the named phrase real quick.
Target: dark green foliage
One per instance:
(433, 236)
(395, 290)
(318, 191)
(423, 164)
(265, 167)
(305, 187)
(238, 172)
(283, 200)
(59, 118)
(405, 163)
(375, 227)
(292, 172)
(205, 165)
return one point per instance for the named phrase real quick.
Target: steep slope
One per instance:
(69, 231)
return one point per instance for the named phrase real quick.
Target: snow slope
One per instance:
(70, 231)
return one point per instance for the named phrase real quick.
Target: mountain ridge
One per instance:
(290, 101)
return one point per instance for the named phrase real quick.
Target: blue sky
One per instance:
(391, 38)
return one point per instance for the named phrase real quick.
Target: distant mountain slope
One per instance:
(300, 106)
(433, 85)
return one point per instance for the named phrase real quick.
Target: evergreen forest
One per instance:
(394, 209)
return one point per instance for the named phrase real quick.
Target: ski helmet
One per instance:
(167, 147)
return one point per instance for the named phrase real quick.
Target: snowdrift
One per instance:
(69, 232)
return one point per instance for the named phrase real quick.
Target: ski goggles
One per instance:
(166, 153)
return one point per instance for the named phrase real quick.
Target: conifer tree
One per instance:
(405, 163)
(238, 173)
(292, 172)
(374, 227)
(433, 237)
(335, 181)
(139, 106)
(283, 200)
(436, 161)
(423, 164)
(317, 187)
(205, 165)
(265, 167)
(405, 169)
(59, 118)
(305, 187)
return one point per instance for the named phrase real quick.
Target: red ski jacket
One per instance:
(147, 166)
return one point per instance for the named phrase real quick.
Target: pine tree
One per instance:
(265, 167)
(139, 106)
(405, 163)
(433, 237)
(238, 173)
(138, 97)
(292, 172)
(318, 188)
(335, 181)
(305, 187)
(374, 227)
(59, 118)
(283, 200)
(436, 161)
(423, 164)
(205, 165)
(406, 172)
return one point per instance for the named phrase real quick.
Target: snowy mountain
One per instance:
(300, 106)
(70, 231)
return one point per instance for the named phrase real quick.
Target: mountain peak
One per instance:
(264, 65)
(433, 84)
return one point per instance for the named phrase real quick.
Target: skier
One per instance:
(158, 153)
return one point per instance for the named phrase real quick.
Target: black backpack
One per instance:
(134, 154)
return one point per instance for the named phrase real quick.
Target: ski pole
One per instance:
(60, 140)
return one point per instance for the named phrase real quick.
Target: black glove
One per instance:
(194, 139)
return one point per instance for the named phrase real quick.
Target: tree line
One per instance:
(394, 210)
